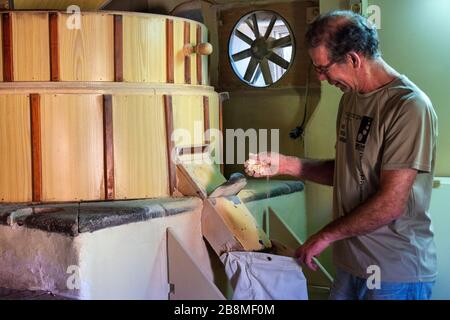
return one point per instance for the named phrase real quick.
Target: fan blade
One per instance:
(270, 27)
(278, 60)
(250, 25)
(250, 69)
(264, 65)
(257, 74)
(255, 26)
(244, 37)
(241, 55)
(282, 42)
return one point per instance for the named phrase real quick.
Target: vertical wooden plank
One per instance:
(178, 44)
(199, 56)
(169, 48)
(206, 124)
(72, 147)
(15, 149)
(140, 147)
(144, 49)
(36, 149)
(8, 72)
(87, 53)
(170, 144)
(188, 115)
(187, 58)
(108, 146)
(118, 48)
(54, 46)
(31, 46)
(193, 42)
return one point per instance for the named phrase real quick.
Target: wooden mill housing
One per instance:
(88, 103)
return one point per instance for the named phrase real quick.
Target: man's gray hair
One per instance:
(342, 32)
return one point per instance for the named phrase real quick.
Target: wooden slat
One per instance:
(170, 144)
(15, 149)
(187, 58)
(31, 46)
(118, 48)
(36, 149)
(144, 49)
(108, 145)
(72, 147)
(54, 46)
(206, 124)
(87, 53)
(8, 72)
(140, 147)
(169, 48)
(199, 56)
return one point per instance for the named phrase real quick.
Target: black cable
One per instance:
(298, 131)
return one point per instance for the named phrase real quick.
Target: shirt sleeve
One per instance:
(410, 137)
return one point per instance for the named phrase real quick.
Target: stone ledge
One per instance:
(75, 218)
(259, 189)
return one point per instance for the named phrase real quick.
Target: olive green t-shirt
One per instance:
(394, 127)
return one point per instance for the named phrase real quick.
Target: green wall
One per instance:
(415, 40)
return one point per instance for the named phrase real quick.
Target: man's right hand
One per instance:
(264, 164)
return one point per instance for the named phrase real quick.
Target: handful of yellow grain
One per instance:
(257, 167)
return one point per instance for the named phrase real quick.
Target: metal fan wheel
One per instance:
(256, 30)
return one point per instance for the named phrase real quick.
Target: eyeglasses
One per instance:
(323, 69)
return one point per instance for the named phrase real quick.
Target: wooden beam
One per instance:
(54, 47)
(187, 58)
(222, 168)
(108, 146)
(199, 56)
(169, 49)
(206, 124)
(118, 48)
(8, 70)
(170, 145)
(36, 148)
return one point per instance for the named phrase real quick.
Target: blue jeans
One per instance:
(349, 287)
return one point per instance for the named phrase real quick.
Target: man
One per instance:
(383, 170)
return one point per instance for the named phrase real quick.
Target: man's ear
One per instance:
(355, 59)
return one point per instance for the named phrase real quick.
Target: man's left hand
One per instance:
(310, 249)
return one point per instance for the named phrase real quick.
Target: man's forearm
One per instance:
(318, 171)
(375, 212)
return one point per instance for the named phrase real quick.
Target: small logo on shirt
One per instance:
(363, 133)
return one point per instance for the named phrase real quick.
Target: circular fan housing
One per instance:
(261, 48)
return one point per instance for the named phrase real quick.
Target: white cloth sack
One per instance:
(263, 276)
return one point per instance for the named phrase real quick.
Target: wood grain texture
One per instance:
(188, 119)
(72, 147)
(36, 147)
(178, 44)
(31, 47)
(15, 149)
(140, 156)
(193, 59)
(187, 58)
(144, 49)
(205, 59)
(199, 56)
(170, 145)
(87, 54)
(206, 124)
(1, 51)
(118, 48)
(58, 4)
(108, 146)
(7, 47)
(54, 47)
(169, 48)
